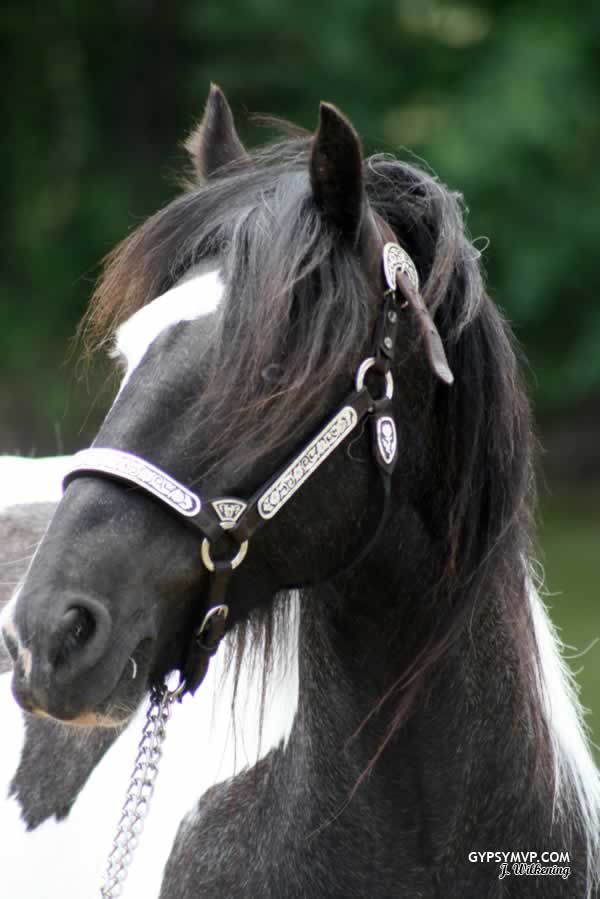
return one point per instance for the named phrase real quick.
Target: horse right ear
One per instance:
(335, 170)
(214, 143)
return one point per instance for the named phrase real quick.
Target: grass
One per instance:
(569, 537)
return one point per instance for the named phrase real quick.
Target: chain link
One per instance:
(139, 792)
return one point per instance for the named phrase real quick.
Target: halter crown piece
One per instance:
(240, 519)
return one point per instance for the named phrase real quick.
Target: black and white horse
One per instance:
(389, 705)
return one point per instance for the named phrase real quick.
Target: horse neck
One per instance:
(466, 746)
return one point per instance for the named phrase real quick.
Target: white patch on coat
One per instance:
(576, 776)
(205, 744)
(7, 617)
(193, 297)
(24, 481)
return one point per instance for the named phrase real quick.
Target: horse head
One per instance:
(246, 313)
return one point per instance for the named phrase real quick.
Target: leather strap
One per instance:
(269, 499)
(135, 471)
(410, 294)
(434, 348)
(206, 639)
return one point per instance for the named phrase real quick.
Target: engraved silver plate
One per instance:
(228, 510)
(387, 439)
(128, 467)
(396, 259)
(307, 462)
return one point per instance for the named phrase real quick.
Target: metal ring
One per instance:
(170, 694)
(220, 610)
(364, 368)
(237, 559)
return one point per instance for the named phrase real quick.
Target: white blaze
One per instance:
(197, 295)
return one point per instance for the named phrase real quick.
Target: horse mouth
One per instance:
(122, 702)
(119, 706)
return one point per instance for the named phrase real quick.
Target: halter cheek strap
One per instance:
(241, 519)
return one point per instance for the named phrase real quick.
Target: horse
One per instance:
(313, 499)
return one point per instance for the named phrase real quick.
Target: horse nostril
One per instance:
(76, 629)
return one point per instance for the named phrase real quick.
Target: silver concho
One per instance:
(387, 440)
(307, 462)
(396, 259)
(228, 510)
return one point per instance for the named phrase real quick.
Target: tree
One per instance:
(501, 99)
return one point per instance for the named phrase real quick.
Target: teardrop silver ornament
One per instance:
(387, 438)
(395, 259)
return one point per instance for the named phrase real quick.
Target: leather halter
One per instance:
(241, 519)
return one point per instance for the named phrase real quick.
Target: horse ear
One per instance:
(336, 171)
(214, 143)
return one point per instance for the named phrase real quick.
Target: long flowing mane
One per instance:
(275, 346)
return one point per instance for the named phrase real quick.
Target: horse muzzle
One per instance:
(67, 664)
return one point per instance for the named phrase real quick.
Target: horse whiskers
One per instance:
(118, 713)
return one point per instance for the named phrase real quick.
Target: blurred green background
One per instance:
(502, 100)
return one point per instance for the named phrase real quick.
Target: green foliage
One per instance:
(501, 99)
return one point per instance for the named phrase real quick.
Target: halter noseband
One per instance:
(241, 519)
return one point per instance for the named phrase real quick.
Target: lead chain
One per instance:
(139, 792)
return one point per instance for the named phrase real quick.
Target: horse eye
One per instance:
(273, 373)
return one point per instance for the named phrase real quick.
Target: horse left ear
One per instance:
(336, 171)
(214, 143)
